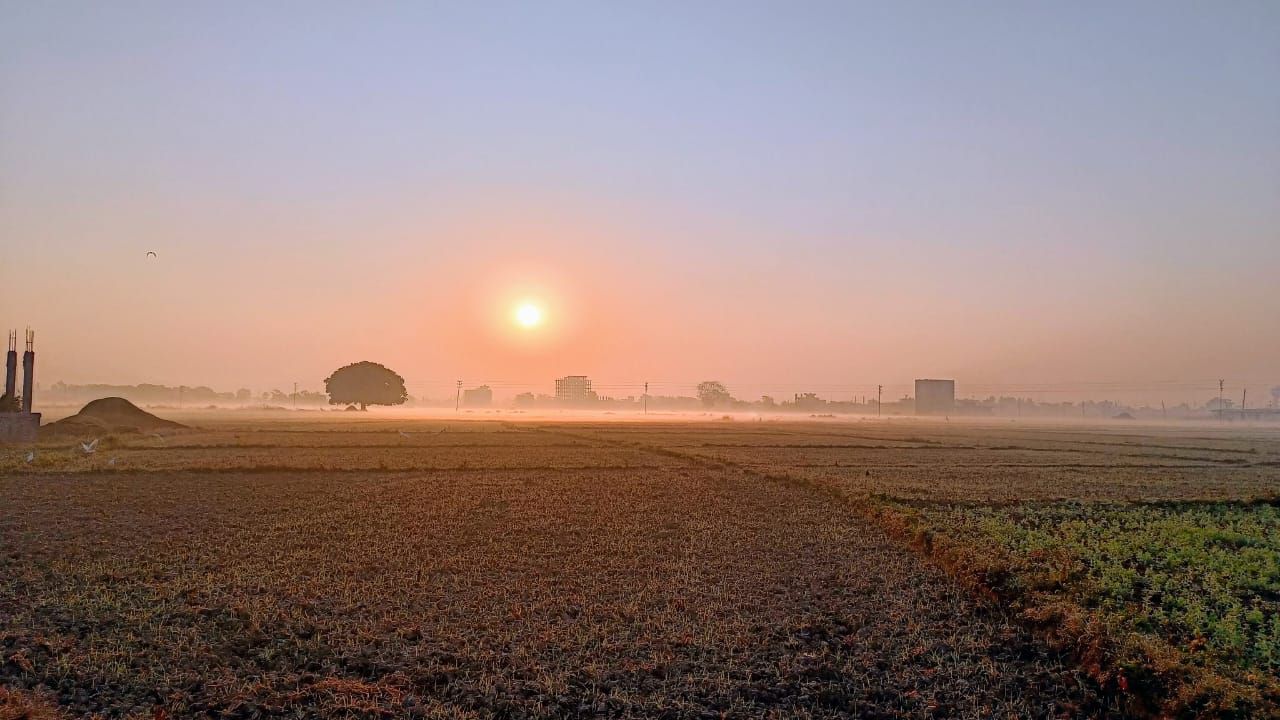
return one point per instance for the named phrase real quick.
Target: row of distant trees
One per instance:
(359, 384)
(365, 383)
(368, 383)
(155, 395)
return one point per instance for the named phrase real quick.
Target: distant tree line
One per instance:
(367, 383)
(61, 393)
(713, 395)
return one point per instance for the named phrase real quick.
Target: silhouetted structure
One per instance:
(29, 371)
(935, 397)
(478, 397)
(574, 389)
(20, 426)
(11, 366)
(808, 402)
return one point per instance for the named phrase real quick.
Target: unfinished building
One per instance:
(17, 423)
(574, 389)
(935, 397)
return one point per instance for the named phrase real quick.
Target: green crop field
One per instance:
(1197, 584)
(260, 567)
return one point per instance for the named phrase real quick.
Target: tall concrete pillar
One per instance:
(11, 365)
(11, 373)
(28, 372)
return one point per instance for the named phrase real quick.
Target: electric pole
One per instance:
(457, 397)
(1243, 394)
(295, 396)
(1222, 412)
(646, 397)
(879, 393)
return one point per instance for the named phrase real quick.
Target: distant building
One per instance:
(574, 389)
(478, 396)
(935, 397)
(809, 401)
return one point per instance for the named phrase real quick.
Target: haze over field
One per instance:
(840, 196)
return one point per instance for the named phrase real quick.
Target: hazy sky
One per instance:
(778, 195)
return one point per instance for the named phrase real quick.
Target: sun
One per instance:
(528, 315)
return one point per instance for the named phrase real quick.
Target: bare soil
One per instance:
(547, 579)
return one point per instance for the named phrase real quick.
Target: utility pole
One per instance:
(295, 396)
(457, 397)
(1243, 394)
(879, 393)
(1222, 412)
(646, 397)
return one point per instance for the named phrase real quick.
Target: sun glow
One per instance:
(528, 315)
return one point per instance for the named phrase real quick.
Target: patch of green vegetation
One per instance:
(1204, 577)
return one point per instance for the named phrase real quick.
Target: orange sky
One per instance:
(785, 203)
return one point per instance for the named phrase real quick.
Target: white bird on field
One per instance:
(111, 461)
(89, 447)
(31, 457)
(403, 434)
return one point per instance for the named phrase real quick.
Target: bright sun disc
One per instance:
(528, 315)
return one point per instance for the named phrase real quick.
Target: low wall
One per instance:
(19, 427)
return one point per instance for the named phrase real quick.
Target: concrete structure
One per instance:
(478, 397)
(808, 401)
(21, 426)
(11, 365)
(29, 371)
(935, 397)
(574, 389)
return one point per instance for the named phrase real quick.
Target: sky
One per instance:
(1082, 198)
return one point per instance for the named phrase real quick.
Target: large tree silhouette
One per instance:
(713, 392)
(364, 384)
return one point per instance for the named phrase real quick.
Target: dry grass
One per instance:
(931, 485)
(341, 569)
(991, 464)
(18, 705)
(535, 589)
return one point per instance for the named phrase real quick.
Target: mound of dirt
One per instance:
(111, 415)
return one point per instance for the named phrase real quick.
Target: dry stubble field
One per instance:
(383, 568)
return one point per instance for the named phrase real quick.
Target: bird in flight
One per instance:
(152, 253)
(89, 447)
